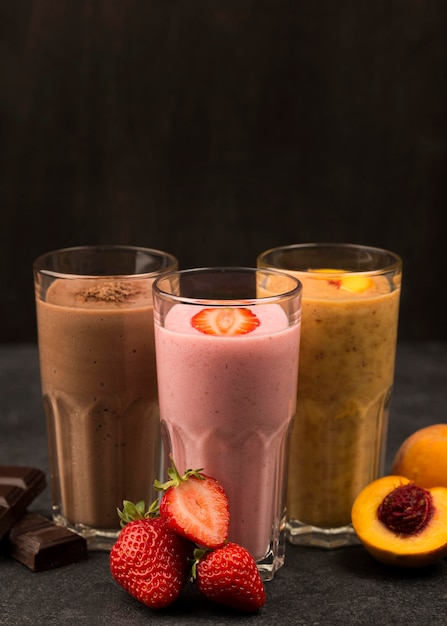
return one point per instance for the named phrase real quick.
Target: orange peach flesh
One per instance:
(424, 548)
(346, 281)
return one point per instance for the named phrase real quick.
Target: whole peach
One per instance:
(422, 457)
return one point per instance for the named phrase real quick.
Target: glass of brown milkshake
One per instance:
(97, 363)
(348, 342)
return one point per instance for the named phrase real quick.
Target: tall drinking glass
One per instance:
(97, 363)
(349, 331)
(227, 364)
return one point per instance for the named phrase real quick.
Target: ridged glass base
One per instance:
(100, 540)
(274, 559)
(300, 534)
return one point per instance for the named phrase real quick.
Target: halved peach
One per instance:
(400, 523)
(422, 457)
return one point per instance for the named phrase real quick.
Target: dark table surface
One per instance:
(315, 587)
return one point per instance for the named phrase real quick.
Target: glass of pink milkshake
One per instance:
(97, 363)
(347, 354)
(227, 363)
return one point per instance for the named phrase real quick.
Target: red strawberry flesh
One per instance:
(228, 321)
(197, 508)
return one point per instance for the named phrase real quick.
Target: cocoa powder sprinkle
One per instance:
(113, 291)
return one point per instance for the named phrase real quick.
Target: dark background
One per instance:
(214, 129)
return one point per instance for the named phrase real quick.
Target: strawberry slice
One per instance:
(195, 506)
(225, 322)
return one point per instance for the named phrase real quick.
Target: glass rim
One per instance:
(221, 302)
(395, 264)
(38, 263)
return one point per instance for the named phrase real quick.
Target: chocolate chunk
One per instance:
(18, 488)
(40, 544)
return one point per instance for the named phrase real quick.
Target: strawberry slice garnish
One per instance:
(226, 321)
(195, 506)
(229, 576)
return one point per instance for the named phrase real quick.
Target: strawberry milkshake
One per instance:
(227, 365)
(97, 362)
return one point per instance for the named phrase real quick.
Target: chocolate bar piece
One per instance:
(18, 488)
(40, 544)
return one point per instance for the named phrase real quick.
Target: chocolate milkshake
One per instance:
(97, 360)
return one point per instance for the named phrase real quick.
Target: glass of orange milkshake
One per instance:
(350, 310)
(97, 363)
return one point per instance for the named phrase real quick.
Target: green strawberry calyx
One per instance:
(198, 555)
(132, 512)
(176, 478)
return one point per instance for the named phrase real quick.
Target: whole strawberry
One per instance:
(149, 560)
(229, 576)
(195, 506)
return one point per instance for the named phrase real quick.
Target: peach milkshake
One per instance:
(97, 361)
(347, 355)
(227, 366)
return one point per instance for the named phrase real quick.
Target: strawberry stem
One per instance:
(132, 512)
(176, 478)
(198, 554)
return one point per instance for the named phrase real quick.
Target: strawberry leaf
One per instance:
(176, 478)
(198, 554)
(132, 512)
